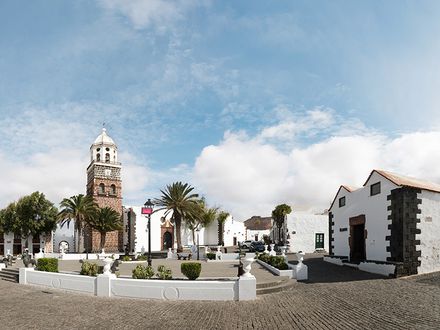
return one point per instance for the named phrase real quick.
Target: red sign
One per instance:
(146, 210)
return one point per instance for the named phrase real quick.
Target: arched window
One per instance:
(107, 158)
(101, 188)
(98, 157)
(113, 189)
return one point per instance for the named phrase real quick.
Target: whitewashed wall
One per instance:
(141, 243)
(303, 227)
(234, 228)
(430, 232)
(210, 234)
(9, 243)
(376, 218)
(187, 237)
(250, 234)
(65, 233)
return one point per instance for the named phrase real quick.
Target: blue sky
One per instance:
(180, 83)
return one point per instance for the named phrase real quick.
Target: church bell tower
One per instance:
(104, 185)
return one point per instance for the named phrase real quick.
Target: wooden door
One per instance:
(319, 241)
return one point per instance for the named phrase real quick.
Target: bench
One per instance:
(184, 256)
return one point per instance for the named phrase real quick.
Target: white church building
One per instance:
(163, 233)
(389, 226)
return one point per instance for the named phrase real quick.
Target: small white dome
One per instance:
(103, 138)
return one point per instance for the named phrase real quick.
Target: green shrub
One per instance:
(143, 272)
(210, 256)
(126, 258)
(142, 257)
(283, 266)
(264, 257)
(164, 273)
(191, 269)
(47, 265)
(277, 262)
(89, 269)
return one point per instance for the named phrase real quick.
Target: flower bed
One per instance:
(288, 272)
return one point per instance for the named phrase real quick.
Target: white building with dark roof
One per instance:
(390, 226)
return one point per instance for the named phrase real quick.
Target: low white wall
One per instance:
(86, 284)
(287, 272)
(242, 288)
(335, 261)
(382, 269)
(79, 256)
(175, 289)
(366, 266)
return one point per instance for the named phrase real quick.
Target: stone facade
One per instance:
(105, 185)
(330, 233)
(403, 244)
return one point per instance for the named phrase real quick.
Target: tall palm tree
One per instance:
(221, 219)
(105, 220)
(80, 209)
(179, 199)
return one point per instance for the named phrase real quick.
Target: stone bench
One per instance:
(184, 256)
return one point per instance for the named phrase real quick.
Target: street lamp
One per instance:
(148, 210)
(198, 247)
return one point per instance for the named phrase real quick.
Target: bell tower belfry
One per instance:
(105, 186)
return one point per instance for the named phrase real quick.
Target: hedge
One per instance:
(210, 256)
(47, 265)
(191, 269)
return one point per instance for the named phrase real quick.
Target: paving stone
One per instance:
(334, 298)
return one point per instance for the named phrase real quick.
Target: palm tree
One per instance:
(178, 199)
(80, 209)
(200, 217)
(221, 219)
(279, 214)
(105, 220)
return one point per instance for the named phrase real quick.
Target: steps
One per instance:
(276, 286)
(9, 274)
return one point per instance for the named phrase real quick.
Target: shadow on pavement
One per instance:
(324, 272)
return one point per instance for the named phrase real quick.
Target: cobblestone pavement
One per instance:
(335, 298)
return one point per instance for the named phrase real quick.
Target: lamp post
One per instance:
(148, 210)
(198, 247)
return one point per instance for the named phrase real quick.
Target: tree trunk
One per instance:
(79, 240)
(193, 236)
(219, 233)
(222, 234)
(178, 222)
(103, 236)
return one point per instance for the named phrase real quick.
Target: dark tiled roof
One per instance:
(405, 181)
(258, 223)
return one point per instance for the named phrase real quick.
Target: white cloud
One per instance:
(250, 175)
(145, 13)
(41, 151)
(313, 122)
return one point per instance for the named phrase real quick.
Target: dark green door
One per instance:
(319, 241)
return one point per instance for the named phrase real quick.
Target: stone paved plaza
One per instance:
(333, 298)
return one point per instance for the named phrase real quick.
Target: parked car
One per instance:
(246, 244)
(257, 246)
